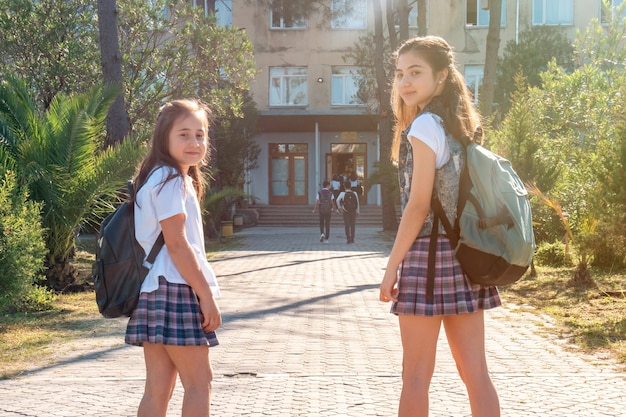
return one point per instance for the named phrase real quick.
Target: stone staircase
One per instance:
(371, 216)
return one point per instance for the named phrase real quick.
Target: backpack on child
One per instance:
(493, 233)
(350, 203)
(119, 269)
(326, 202)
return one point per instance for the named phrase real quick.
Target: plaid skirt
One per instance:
(169, 315)
(454, 294)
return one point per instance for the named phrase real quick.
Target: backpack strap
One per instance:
(432, 250)
(160, 241)
(439, 215)
(453, 233)
(156, 248)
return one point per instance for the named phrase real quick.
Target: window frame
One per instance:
(285, 84)
(474, 81)
(543, 22)
(342, 23)
(412, 15)
(277, 7)
(604, 19)
(345, 74)
(482, 15)
(223, 11)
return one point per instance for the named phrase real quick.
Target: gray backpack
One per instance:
(493, 233)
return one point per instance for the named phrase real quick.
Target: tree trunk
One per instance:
(118, 124)
(61, 274)
(390, 221)
(582, 277)
(422, 30)
(491, 58)
(403, 19)
(391, 26)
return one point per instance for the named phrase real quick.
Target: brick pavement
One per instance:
(304, 335)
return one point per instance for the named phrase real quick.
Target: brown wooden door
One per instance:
(288, 179)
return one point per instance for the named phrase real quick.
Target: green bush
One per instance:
(38, 298)
(552, 254)
(22, 247)
(606, 257)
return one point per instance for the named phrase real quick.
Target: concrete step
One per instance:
(302, 216)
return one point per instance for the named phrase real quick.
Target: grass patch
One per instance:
(594, 319)
(30, 340)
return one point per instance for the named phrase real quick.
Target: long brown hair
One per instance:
(454, 105)
(159, 154)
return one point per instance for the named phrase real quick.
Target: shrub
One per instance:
(38, 298)
(22, 247)
(606, 257)
(552, 254)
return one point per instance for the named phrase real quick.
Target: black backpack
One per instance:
(326, 203)
(350, 203)
(120, 269)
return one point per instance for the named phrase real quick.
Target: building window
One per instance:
(412, 14)
(349, 14)
(288, 148)
(478, 13)
(345, 86)
(474, 79)
(553, 12)
(288, 86)
(223, 10)
(607, 15)
(284, 15)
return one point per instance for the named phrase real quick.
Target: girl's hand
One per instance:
(388, 289)
(211, 316)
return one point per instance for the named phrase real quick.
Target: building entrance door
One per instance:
(288, 173)
(347, 159)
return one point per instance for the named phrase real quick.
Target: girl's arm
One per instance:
(185, 260)
(413, 217)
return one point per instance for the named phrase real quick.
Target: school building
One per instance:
(312, 123)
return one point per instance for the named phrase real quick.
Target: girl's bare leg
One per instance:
(419, 343)
(466, 337)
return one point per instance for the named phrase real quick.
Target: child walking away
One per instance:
(434, 112)
(176, 317)
(325, 202)
(348, 202)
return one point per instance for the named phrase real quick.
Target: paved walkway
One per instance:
(304, 335)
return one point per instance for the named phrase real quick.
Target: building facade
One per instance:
(312, 124)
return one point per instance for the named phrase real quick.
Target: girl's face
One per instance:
(187, 141)
(416, 81)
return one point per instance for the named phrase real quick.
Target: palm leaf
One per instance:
(58, 157)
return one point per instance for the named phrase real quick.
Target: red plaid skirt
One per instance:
(454, 294)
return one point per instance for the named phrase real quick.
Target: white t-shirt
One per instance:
(342, 196)
(429, 130)
(157, 201)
